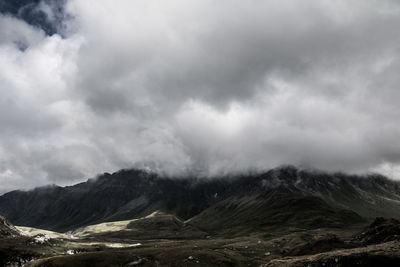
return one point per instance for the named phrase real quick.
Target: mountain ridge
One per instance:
(265, 197)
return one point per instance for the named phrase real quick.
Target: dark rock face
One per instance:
(284, 197)
(381, 230)
(122, 195)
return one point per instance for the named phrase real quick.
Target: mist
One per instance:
(199, 87)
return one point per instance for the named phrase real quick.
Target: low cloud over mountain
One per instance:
(208, 87)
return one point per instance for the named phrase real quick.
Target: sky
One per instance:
(197, 87)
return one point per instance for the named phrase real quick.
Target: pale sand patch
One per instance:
(30, 231)
(109, 226)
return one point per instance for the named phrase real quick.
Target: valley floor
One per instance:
(252, 250)
(113, 244)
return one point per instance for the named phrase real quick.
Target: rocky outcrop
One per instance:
(7, 229)
(386, 254)
(381, 230)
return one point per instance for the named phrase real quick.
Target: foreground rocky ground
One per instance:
(386, 254)
(109, 244)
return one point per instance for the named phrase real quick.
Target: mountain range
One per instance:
(282, 198)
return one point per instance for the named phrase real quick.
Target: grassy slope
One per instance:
(154, 226)
(272, 211)
(30, 231)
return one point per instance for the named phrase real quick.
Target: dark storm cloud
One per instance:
(48, 15)
(226, 56)
(201, 86)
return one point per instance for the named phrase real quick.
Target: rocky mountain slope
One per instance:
(7, 229)
(284, 197)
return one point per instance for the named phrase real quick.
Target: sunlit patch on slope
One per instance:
(30, 231)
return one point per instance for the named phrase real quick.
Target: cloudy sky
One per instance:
(197, 86)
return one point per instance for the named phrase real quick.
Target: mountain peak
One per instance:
(133, 193)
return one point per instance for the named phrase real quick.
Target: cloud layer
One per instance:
(205, 87)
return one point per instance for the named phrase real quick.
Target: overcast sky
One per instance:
(209, 87)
